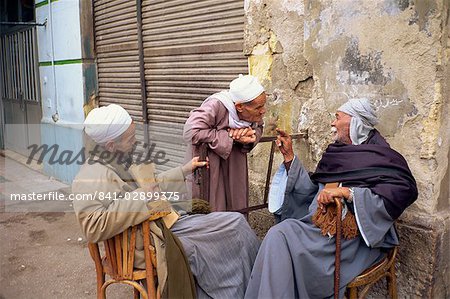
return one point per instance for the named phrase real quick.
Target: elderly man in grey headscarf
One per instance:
(230, 124)
(296, 258)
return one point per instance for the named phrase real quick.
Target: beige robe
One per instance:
(228, 172)
(102, 219)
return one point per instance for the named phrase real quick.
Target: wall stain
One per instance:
(403, 4)
(424, 9)
(357, 68)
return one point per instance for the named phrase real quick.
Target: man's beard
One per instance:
(338, 138)
(334, 134)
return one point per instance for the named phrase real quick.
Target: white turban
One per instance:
(363, 118)
(245, 89)
(106, 123)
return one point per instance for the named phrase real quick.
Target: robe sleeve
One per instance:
(299, 192)
(101, 212)
(172, 180)
(201, 127)
(374, 222)
(299, 182)
(100, 217)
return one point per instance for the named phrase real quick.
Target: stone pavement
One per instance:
(42, 251)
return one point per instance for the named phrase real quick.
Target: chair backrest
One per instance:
(120, 253)
(118, 261)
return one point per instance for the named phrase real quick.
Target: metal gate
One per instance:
(20, 89)
(161, 58)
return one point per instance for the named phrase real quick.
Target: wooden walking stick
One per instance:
(204, 179)
(331, 224)
(337, 258)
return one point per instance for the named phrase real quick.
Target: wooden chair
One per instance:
(119, 260)
(384, 268)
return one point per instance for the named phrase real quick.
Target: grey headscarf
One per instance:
(363, 118)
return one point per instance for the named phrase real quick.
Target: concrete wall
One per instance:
(67, 75)
(313, 55)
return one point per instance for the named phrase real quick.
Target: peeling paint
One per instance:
(303, 119)
(394, 7)
(260, 62)
(424, 9)
(294, 5)
(274, 44)
(247, 4)
(329, 31)
(261, 58)
(431, 125)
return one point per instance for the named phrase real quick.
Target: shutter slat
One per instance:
(193, 71)
(118, 25)
(119, 95)
(188, 83)
(214, 35)
(189, 26)
(192, 16)
(114, 10)
(159, 89)
(120, 90)
(115, 27)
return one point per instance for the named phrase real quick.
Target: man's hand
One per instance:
(243, 135)
(192, 165)
(326, 196)
(284, 143)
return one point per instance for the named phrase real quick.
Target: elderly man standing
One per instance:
(230, 123)
(220, 247)
(296, 259)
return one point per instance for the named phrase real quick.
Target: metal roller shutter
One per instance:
(116, 43)
(191, 50)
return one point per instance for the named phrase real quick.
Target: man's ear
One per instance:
(110, 146)
(239, 107)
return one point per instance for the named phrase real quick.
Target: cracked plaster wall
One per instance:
(312, 55)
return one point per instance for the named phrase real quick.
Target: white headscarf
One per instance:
(106, 123)
(363, 118)
(243, 89)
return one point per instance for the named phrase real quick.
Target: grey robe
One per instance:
(296, 261)
(220, 247)
(228, 173)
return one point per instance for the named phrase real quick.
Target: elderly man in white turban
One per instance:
(296, 258)
(220, 247)
(230, 123)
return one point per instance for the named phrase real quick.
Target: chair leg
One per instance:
(352, 293)
(103, 290)
(100, 282)
(392, 282)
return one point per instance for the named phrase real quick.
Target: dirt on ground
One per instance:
(43, 255)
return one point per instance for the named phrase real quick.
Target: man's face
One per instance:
(126, 141)
(253, 111)
(342, 127)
